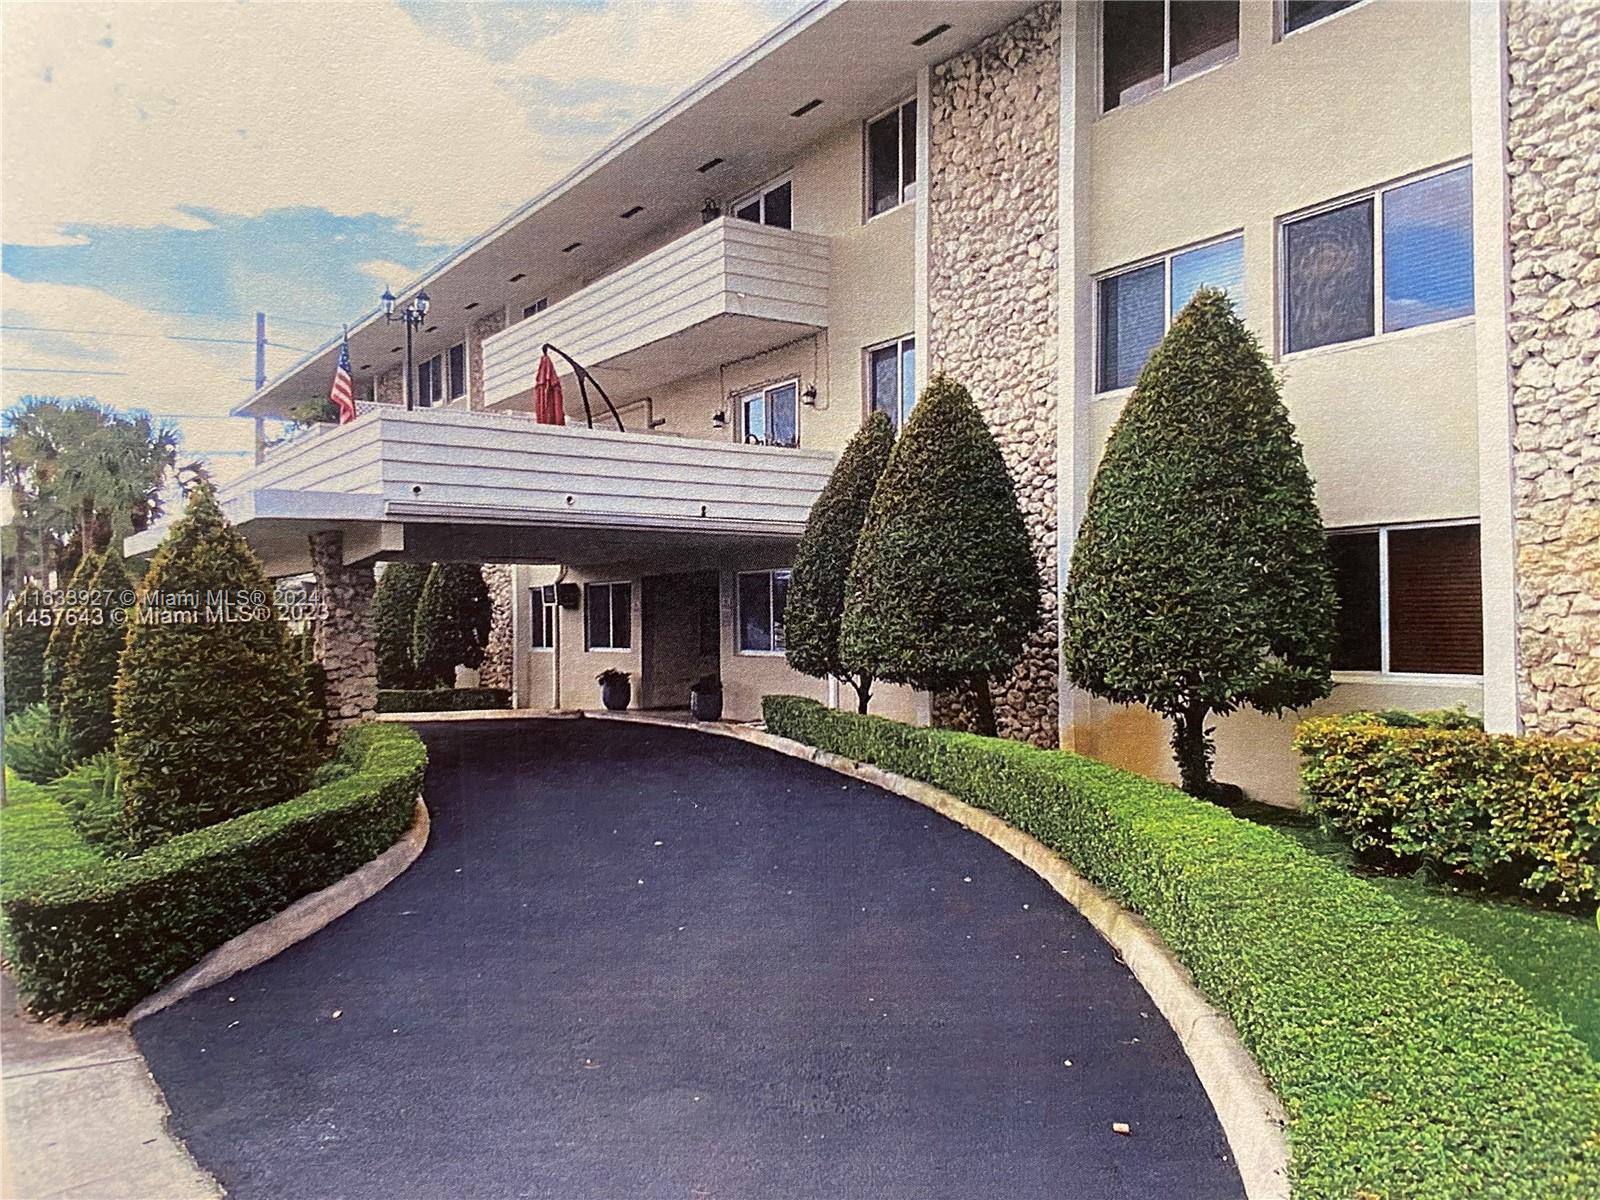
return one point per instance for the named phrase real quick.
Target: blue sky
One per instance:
(326, 150)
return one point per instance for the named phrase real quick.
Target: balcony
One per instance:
(443, 484)
(728, 290)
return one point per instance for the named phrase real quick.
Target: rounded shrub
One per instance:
(394, 614)
(1200, 579)
(89, 686)
(451, 628)
(943, 591)
(26, 636)
(211, 713)
(815, 607)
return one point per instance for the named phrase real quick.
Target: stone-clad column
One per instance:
(499, 655)
(1553, 140)
(993, 155)
(345, 640)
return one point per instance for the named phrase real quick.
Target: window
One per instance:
(892, 379)
(458, 370)
(1136, 305)
(1297, 14)
(542, 626)
(538, 306)
(762, 596)
(771, 416)
(1148, 44)
(608, 616)
(1408, 247)
(892, 159)
(430, 382)
(1410, 599)
(770, 206)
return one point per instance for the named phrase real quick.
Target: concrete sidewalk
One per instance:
(83, 1118)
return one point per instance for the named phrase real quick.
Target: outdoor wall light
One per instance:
(412, 315)
(709, 212)
(720, 419)
(809, 396)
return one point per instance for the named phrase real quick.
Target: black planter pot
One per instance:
(705, 704)
(615, 693)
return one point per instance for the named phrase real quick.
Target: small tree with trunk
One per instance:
(26, 636)
(454, 614)
(211, 712)
(1200, 579)
(942, 592)
(815, 607)
(88, 690)
(394, 616)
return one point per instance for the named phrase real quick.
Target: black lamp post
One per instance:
(413, 314)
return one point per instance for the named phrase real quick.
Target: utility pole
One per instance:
(261, 381)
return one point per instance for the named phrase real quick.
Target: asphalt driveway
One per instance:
(646, 962)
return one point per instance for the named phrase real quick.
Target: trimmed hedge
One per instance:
(91, 936)
(1407, 1065)
(398, 700)
(1514, 813)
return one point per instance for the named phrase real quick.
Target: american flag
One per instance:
(343, 392)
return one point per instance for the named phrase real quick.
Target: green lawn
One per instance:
(1555, 956)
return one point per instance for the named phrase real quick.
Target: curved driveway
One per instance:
(646, 962)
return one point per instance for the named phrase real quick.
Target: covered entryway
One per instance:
(680, 635)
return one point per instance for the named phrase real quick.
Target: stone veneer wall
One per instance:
(993, 157)
(1553, 139)
(497, 662)
(485, 326)
(389, 387)
(345, 639)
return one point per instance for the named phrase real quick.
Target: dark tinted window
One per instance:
(458, 371)
(1204, 33)
(783, 408)
(883, 163)
(777, 203)
(1355, 570)
(1132, 35)
(1435, 601)
(1299, 13)
(1328, 289)
(908, 144)
(755, 611)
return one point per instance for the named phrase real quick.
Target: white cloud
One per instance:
(122, 358)
(382, 270)
(355, 108)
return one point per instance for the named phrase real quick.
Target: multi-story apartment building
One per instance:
(1399, 196)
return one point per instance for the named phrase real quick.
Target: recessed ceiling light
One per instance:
(472, 306)
(706, 166)
(930, 35)
(571, 248)
(394, 349)
(633, 212)
(364, 367)
(805, 108)
(517, 276)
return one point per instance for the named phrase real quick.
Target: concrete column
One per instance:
(345, 640)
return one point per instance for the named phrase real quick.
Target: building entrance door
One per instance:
(680, 636)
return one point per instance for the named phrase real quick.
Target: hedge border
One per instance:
(70, 932)
(1407, 1065)
(415, 700)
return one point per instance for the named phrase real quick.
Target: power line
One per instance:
(171, 337)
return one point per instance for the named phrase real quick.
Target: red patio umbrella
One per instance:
(548, 408)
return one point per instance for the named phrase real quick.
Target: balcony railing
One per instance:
(729, 289)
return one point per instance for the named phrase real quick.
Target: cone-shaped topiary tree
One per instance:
(211, 712)
(943, 591)
(26, 636)
(67, 621)
(815, 606)
(88, 689)
(394, 615)
(1200, 577)
(451, 630)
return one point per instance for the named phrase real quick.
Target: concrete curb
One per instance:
(1250, 1114)
(479, 714)
(294, 924)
